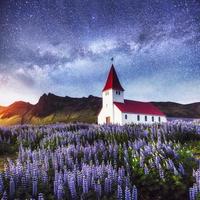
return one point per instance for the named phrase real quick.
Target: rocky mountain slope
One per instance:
(51, 109)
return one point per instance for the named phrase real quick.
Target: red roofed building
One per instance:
(112, 81)
(117, 110)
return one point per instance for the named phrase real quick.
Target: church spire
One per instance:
(113, 81)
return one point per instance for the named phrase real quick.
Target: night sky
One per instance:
(65, 47)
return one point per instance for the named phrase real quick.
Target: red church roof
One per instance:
(138, 107)
(112, 81)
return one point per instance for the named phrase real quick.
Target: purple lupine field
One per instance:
(81, 161)
(99, 99)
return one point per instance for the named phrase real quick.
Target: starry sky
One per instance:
(65, 46)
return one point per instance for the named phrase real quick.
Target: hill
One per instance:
(14, 113)
(172, 109)
(1, 108)
(51, 109)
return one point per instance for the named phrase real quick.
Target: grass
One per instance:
(10, 121)
(83, 116)
(194, 147)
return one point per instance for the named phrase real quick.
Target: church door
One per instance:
(107, 120)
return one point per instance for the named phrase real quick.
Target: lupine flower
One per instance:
(12, 187)
(34, 187)
(119, 193)
(4, 197)
(134, 193)
(127, 194)
(83, 158)
(40, 196)
(60, 192)
(85, 185)
(192, 194)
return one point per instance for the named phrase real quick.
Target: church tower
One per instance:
(112, 92)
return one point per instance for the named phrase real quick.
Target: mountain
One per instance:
(172, 109)
(1, 108)
(51, 109)
(14, 113)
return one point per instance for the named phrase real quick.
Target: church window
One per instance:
(145, 118)
(138, 117)
(118, 92)
(126, 116)
(152, 118)
(159, 119)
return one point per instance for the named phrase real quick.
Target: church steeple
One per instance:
(113, 81)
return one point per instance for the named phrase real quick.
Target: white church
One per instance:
(117, 110)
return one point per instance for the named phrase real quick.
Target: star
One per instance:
(65, 47)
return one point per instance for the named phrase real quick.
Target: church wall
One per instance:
(100, 118)
(110, 96)
(132, 118)
(117, 115)
(118, 97)
(107, 109)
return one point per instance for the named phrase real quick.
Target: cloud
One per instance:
(4, 79)
(22, 75)
(102, 46)
(59, 50)
(149, 63)
(13, 89)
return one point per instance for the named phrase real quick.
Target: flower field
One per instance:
(82, 161)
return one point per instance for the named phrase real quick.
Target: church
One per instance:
(117, 110)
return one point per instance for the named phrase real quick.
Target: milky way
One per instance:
(64, 47)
